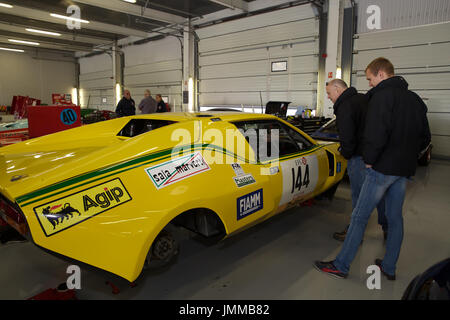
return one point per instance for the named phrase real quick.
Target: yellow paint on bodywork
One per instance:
(63, 167)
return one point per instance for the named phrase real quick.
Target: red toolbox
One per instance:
(43, 120)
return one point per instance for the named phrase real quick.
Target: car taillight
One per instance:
(11, 212)
(12, 216)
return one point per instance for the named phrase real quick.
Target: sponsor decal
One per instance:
(245, 180)
(274, 170)
(300, 177)
(71, 210)
(176, 170)
(338, 167)
(237, 169)
(250, 203)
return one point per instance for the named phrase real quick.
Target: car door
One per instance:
(281, 150)
(299, 168)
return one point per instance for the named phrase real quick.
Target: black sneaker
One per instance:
(378, 262)
(329, 268)
(340, 236)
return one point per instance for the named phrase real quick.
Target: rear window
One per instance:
(139, 126)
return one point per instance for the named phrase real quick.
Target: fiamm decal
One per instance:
(69, 211)
(250, 203)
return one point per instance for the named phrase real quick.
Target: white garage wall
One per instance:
(26, 76)
(396, 14)
(97, 83)
(422, 56)
(157, 66)
(235, 59)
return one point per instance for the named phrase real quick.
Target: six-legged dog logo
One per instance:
(55, 218)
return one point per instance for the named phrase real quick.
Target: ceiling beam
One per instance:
(64, 36)
(233, 4)
(251, 6)
(135, 10)
(92, 25)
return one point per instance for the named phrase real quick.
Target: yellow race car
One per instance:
(111, 194)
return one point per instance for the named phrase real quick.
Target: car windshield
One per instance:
(136, 127)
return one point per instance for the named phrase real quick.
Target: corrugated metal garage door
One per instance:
(235, 59)
(156, 66)
(422, 56)
(96, 82)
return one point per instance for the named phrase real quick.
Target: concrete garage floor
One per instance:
(270, 261)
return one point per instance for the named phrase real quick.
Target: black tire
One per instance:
(164, 250)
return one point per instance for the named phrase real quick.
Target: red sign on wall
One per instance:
(61, 98)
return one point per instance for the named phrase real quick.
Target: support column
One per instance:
(332, 51)
(117, 66)
(189, 78)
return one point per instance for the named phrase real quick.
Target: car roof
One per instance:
(206, 116)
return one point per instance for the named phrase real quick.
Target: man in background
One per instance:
(148, 104)
(161, 105)
(126, 106)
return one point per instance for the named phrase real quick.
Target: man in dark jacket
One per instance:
(126, 106)
(350, 108)
(161, 105)
(396, 131)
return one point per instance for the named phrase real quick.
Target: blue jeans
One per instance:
(356, 169)
(375, 187)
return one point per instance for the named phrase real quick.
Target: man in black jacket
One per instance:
(126, 106)
(396, 131)
(350, 108)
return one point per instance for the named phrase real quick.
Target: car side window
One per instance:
(300, 140)
(264, 133)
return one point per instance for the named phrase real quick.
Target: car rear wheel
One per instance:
(164, 249)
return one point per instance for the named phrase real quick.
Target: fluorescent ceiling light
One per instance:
(118, 93)
(5, 5)
(130, 1)
(24, 42)
(338, 73)
(59, 16)
(225, 4)
(44, 32)
(13, 50)
(191, 95)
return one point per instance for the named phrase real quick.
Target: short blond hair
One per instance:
(381, 64)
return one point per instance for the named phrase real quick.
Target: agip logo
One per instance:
(66, 212)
